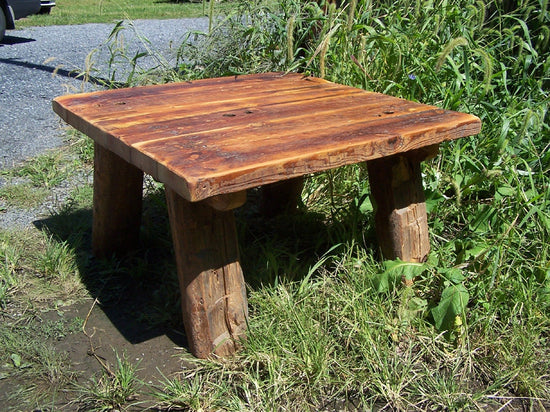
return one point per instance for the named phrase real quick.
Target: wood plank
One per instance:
(116, 116)
(235, 168)
(174, 93)
(228, 110)
(291, 115)
(278, 127)
(226, 135)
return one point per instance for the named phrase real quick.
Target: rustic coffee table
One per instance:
(210, 140)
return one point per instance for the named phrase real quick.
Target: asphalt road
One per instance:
(40, 63)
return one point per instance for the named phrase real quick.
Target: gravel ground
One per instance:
(28, 59)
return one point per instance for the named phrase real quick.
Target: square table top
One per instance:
(224, 135)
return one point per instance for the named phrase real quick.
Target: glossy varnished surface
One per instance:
(224, 135)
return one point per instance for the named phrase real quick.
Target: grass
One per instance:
(23, 195)
(113, 390)
(28, 355)
(109, 11)
(28, 186)
(331, 326)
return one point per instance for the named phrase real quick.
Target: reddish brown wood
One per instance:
(281, 197)
(216, 136)
(118, 190)
(210, 140)
(400, 208)
(212, 286)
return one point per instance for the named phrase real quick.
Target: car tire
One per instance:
(45, 10)
(2, 24)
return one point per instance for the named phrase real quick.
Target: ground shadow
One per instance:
(139, 292)
(73, 74)
(9, 40)
(285, 247)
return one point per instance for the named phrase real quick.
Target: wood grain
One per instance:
(399, 204)
(213, 294)
(281, 197)
(216, 136)
(118, 190)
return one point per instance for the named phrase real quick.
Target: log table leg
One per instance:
(399, 202)
(212, 286)
(281, 197)
(118, 192)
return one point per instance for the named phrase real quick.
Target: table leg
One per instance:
(212, 286)
(400, 208)
(281, 197)
(118, 192)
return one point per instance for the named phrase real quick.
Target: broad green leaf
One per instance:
(469, 250)
(453, 275)
(365, 205)
(503, 191)
(433, 198)
(395, 271)
(452, 305)
(16, 359)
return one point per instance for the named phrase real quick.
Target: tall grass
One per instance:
(331, 326)
(346, 333)
(108, 11)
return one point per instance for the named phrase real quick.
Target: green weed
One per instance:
(46, 171)
(82, 145)
(202, 389)
(332, 327)
(23, 195)
(27, 354)
(57, 261)
(9, 260)
(115, 389)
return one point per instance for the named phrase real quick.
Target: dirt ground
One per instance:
(158, 354)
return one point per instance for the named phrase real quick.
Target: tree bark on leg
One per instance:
(281, 197)
(213, 293)
(400, 205)
(118, 192)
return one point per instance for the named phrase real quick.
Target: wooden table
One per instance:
(210, 140)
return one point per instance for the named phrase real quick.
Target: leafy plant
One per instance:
(331, 327)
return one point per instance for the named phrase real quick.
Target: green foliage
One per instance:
(46, 171)
(26, 352)
(57, 261)
(397, 271)
(9, 259)
(113, 390)
(24, 195)
(205, 390)
(107, 11)
(468, 329)
(448, 313)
